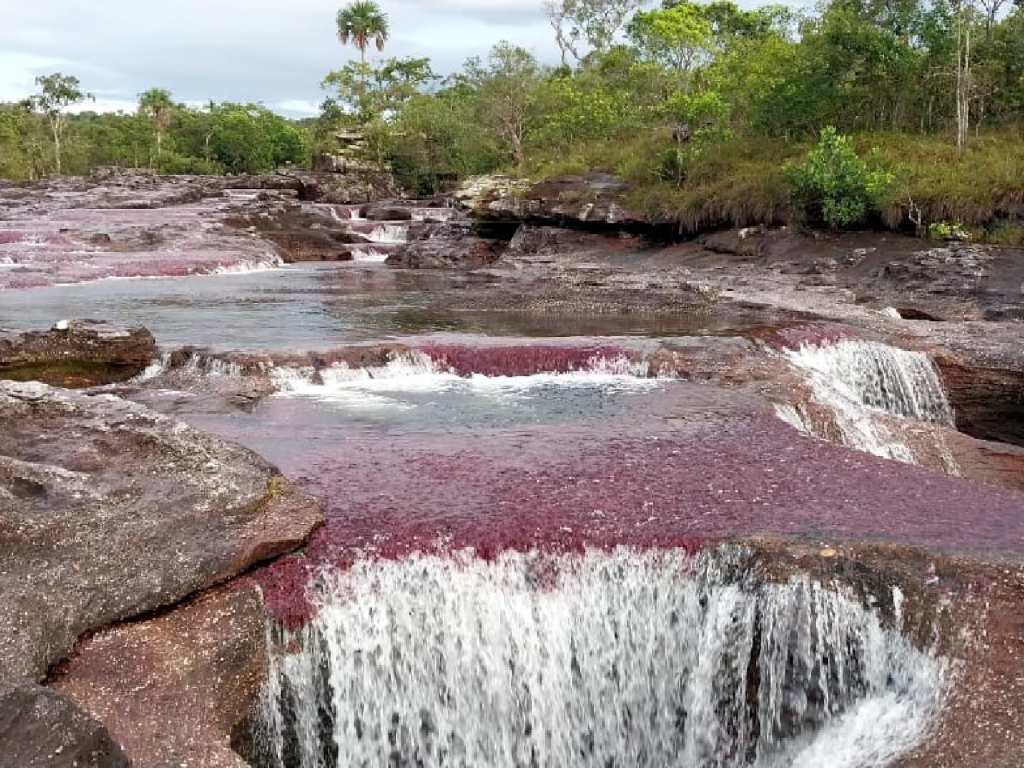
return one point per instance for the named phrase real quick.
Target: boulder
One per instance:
(76, 354)
(312, 245)
(386, 212)
(109, 510)
(172, 688)
(40, 728)
(593, 200)
(447, 246)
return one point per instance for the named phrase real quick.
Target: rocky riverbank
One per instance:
(122, 632)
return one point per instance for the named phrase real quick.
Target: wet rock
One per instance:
(172, 688)
(311, 245)
(988, 402)
(76, 354)
(448, 246)
(108, 511)
(39, 728)
(386, 212)
(544, 241)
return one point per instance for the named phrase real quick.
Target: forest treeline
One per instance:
(884, 111)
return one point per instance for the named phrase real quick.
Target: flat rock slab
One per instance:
(108, 511)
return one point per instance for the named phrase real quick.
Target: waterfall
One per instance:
(857, 379)
(879, 376)
(389, 234)
(604, 659)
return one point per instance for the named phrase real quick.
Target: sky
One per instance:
(270, 51)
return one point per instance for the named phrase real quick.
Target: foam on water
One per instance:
(417, 372)
(271, 263)
(605, 659)
(368, 254)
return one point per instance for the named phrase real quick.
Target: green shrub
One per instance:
(835, 185)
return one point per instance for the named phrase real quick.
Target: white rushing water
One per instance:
(416, 372)
(393, 234)
(857, 379)
(613, 659)
(368, 253)
(271, 263)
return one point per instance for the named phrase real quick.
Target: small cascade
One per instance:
(389, 234)
(495, 370)
(857, 379)
(605, 659)
(269, 263)
(347, 213)
(370, 253)
(880, 376)
(212, 367)
(307, 379)
(155, 369)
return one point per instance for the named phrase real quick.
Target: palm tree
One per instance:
(359, 23)
(156, 104)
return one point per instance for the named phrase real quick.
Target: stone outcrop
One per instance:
(172, 688)
(299, 233)
(388, 211)
(76, 354)
(593, 200)
(109, 511)
(39, 728)
(446, 246)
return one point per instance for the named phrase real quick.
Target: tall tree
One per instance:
(360, 23)
(505, 86)
(156, 104)
(596, 22)
(57, 93)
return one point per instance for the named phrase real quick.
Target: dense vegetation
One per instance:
(38, 137)
(861, 112)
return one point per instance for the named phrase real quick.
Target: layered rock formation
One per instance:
(76, 354)
(109, 511)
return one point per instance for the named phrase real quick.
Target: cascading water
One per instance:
(389, 234)
(605, 659)
(856, 378)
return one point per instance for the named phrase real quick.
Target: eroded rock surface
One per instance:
(452, 245)
(39, 728)
(108, 511)
(172, 688)
(592, 200)
(76, 354)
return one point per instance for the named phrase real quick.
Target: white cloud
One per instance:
(239, 50)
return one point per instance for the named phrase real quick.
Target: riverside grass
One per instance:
(742, 181)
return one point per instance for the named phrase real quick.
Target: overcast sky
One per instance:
(271, 51)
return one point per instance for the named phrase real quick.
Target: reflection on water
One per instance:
(310, 306)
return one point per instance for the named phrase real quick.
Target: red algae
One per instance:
(520, 360)
(793, 337)
(565, 492)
